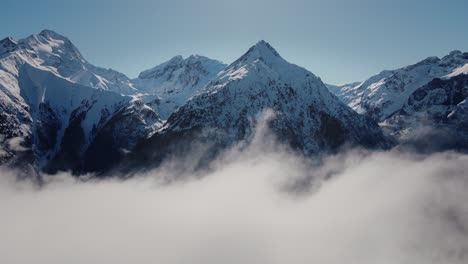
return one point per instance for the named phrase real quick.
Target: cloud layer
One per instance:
(261, 204)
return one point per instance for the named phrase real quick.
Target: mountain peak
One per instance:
(264, 45)
(263, 50)
(52, 39)
(47, 31)
(426, 61)
(7, 44)
(8, 40)
(195, 62)
(455, 54)
(194, 56)
(50, 34)
(176, 58)
(263, 60)
(190, 59)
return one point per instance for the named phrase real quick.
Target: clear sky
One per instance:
(339, 40)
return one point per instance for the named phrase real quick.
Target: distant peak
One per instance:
(8, 41)
(264, 47)
(50, 34)
(453, 54)
(200, 58)
(432, 59)
(263, 43)
(8, 44)
(261, 51)
(194, 61)
(194, 56)
(47, 32)
(177, 58)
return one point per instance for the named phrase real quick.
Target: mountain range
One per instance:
(426, 101)
(58, 112)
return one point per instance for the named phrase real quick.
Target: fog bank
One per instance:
(372, 208)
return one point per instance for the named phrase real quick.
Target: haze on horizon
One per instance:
(340, 41)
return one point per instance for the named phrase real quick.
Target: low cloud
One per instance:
(256, 204)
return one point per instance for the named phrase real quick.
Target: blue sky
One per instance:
(339, 40)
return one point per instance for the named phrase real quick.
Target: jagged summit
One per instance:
(8, 40)
(455, 52)
(49, 46)
(384, 94)
(175, 63)
(455, 56)
(262, 57)
(432, 59)
(262, 51)
(46, 37)
(54, 52)
(176, 80)
(51, 34)
(176, 58)
(8, 44)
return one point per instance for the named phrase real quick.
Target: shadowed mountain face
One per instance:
(436, 113)
(304, 114)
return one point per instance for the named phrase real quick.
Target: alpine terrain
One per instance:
(169, 85)
(426, 102)
(306, 115)
(58, 112)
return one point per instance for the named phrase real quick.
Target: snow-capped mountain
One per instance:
(307, 116)
(54, 52)
(385, 93)
(59, 112)
(55, 104)
(342, 91)
(170, 84)
(437, 111)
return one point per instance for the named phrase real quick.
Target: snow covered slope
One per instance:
(171, 84)
(54, 52)
(436, 115)
(50, 107)
(307, 116)
(341, 91)
(385, 93)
